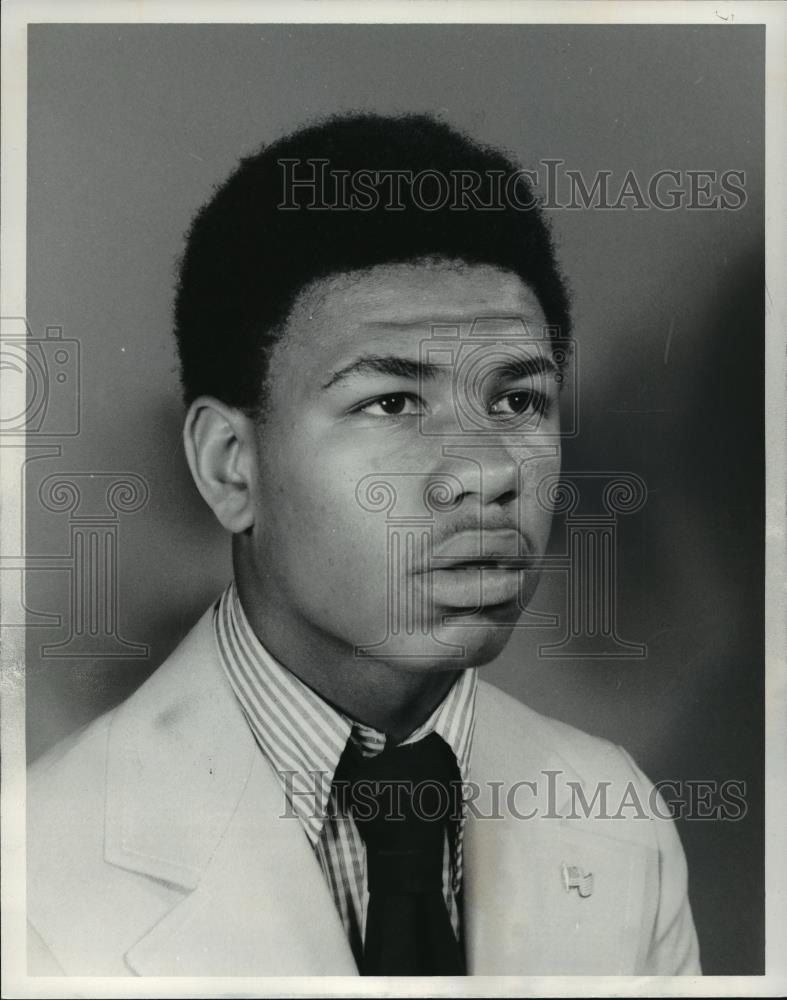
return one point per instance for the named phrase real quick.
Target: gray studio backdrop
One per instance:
(129, 128)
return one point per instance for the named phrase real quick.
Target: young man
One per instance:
(366, 318)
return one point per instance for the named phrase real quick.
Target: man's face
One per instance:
(412, 413)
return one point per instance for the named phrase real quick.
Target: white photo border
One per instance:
(16, 16)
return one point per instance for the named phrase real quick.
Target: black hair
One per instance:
(261, 239)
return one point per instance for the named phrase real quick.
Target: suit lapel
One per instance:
(521, 917)
(262, 906)
(192, 802)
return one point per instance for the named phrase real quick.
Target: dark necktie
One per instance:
(402, 801)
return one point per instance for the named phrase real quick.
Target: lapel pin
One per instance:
(577, 878)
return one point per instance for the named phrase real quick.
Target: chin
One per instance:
(462, 639)
(483, 637)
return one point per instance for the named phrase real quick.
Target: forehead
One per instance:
(394, 306)
(414, 293)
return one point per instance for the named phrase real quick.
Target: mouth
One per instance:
(473, 583)
(476, 569)
(483, 549)
(512, 562)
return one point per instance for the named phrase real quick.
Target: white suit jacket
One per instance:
(156, 846)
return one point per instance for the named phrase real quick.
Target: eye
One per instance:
(517, 402)
(395, 404)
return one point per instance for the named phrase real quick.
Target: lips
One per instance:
(476, 569)
(471, 587)
(499, 548)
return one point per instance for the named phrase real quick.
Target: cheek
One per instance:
(331, 553)
(317, 527)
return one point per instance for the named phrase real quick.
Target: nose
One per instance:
(500, 481)
(491, 473)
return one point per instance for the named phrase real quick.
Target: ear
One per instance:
(220, 444)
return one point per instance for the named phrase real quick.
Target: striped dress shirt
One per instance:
(303, 737)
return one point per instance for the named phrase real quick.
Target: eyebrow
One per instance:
(398, 367)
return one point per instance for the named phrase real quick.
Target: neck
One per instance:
(368, 690)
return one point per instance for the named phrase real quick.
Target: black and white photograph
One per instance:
(392, 439)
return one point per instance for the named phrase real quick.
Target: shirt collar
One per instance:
(303, 736)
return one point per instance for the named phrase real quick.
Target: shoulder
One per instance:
(580, 783)
(69, 777)
(162, 714)
(83, 793)
(507, 728)
(582, 779)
